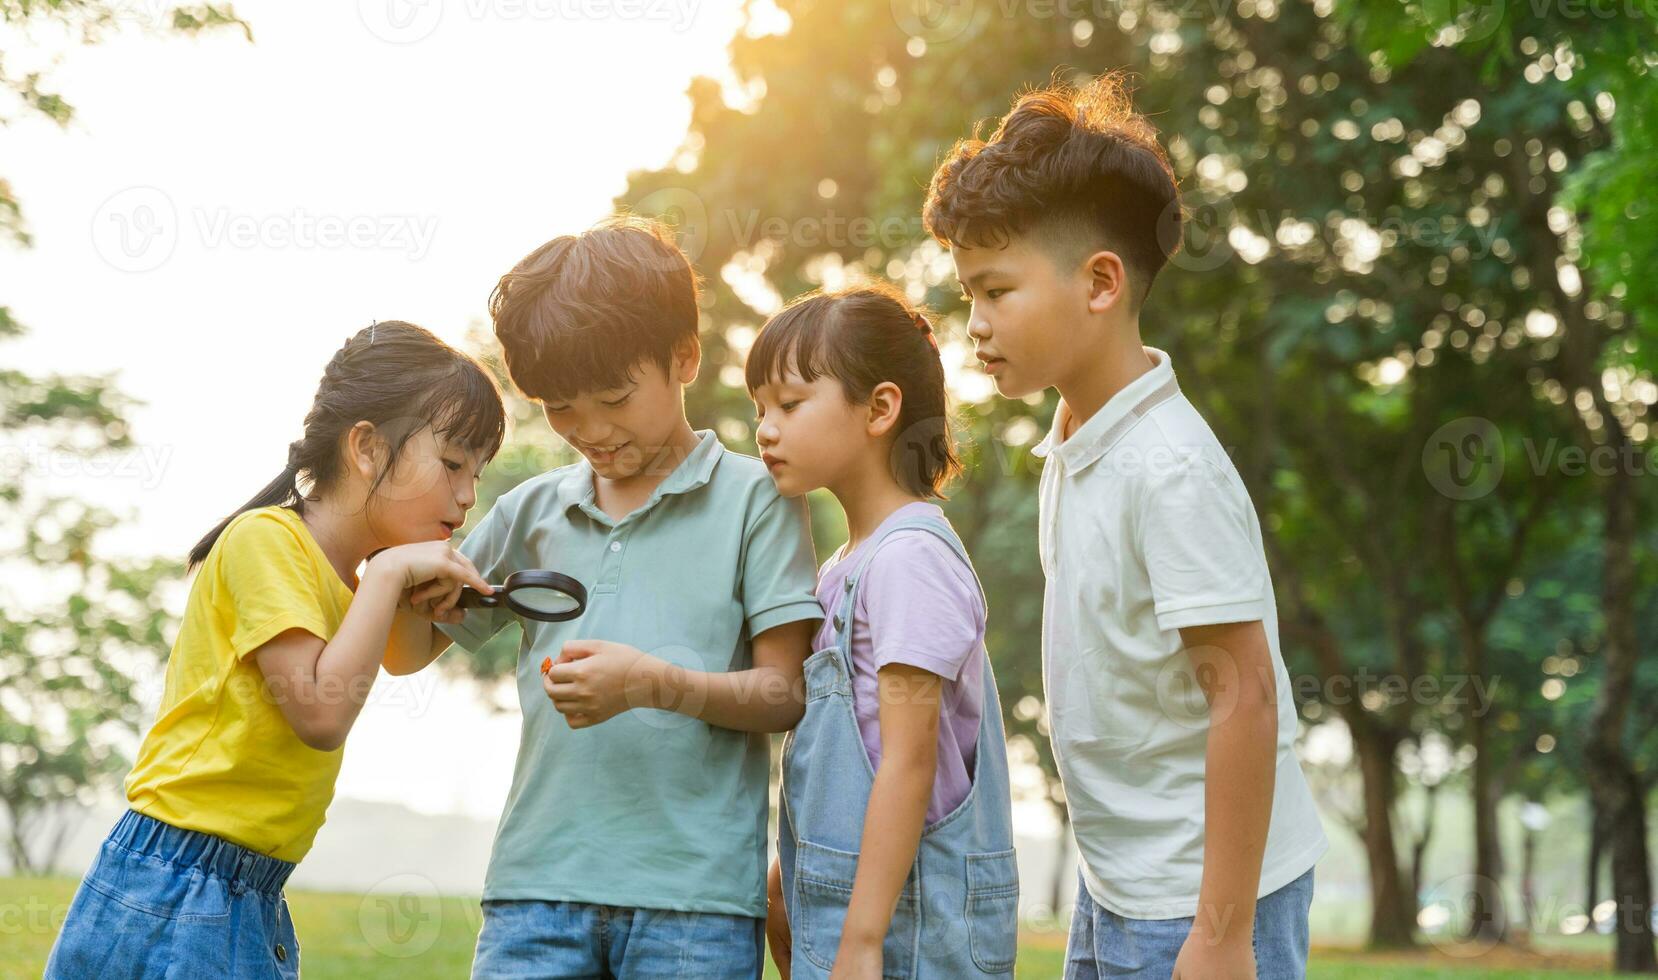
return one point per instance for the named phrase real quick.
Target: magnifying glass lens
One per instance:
(550, 601)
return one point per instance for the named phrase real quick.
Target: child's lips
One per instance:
(603, 455)
(772, 462)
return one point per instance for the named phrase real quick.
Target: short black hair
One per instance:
(581, 312)
(861, 337)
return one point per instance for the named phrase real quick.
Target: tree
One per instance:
(71, 668)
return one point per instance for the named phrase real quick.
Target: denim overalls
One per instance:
(958, 913)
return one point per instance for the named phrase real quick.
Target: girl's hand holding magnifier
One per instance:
(434, 577)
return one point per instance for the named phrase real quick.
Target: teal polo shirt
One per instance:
(651, 809)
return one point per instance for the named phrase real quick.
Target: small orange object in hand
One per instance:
(546, 664)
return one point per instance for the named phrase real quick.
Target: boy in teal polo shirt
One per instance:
(633, 841)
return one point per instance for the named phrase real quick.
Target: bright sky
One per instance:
(222, 215)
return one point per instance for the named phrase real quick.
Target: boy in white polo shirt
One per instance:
(1169, 705)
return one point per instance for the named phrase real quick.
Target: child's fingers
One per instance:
(468, 574)
(449, 599)
(426, 590)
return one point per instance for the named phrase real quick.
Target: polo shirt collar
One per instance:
(1113, 420)
(694, 471)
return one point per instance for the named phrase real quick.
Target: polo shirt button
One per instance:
(281, 953)
(615, 546)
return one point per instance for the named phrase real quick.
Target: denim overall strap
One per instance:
(956, 914)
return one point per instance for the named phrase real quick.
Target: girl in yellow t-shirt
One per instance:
(280, 642)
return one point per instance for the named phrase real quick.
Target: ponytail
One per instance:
(280, 492)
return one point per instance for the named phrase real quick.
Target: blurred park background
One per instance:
(1410, 300)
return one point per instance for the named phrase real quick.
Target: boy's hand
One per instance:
(778, 935)
(1203, 958)
(593, 681)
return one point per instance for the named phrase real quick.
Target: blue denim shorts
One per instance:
(164, 902)
(569, 940)
(1106, 945)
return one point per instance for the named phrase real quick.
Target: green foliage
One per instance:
(71, 664)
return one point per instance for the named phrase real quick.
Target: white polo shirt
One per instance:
(1145, 528)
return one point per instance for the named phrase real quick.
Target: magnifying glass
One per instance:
(533, 594)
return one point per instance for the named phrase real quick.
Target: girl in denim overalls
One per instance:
(895, 851)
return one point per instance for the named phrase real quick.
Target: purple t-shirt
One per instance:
(919, 605)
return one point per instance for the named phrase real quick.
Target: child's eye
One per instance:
(454, 467)
(789, 406)
(620, 401)
(558, 409)
(993, 293)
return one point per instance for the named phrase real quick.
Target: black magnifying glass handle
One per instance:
(538, 594)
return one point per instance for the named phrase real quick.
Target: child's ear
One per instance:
(886, 402)
(365, 449)
(687, 360)
(1107, 281)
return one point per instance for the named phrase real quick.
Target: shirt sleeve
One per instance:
(486, 547)
(779, 579)
(1202, 552)
(271, 583)
(922, 604)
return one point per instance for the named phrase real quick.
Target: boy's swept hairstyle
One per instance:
(582, 312)
(1077, 169)
(861, 337)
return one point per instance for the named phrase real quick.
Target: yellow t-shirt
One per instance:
(221, 759)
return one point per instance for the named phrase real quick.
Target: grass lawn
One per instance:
(346, 937)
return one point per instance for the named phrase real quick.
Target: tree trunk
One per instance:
(1613, 783)
(1063, 887)
(17, 841)
(1597, 837)
(1419, 849)
(1392, 912)
(1488, 922)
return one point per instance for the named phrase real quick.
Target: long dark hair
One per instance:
(402, 379)
(861, 337)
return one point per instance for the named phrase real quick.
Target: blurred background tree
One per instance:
(73, 658)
